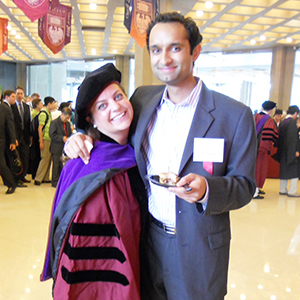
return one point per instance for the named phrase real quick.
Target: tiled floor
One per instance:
(265, 249)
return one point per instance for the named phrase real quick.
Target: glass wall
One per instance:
(295, 96)
(60, 80)
(243, 76)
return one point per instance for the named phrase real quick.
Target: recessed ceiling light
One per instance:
(13, 32)
(93, 6)
(93, 51)
(263, 37)
(253, 42)
(18, 36)
(115, 51)
(8, 27)
(289, 40)
(209, 4)
(199, 13)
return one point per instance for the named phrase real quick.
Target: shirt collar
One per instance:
(191, 100)
(7, 103)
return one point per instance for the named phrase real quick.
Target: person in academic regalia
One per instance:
(93, 246)
(267, 135)
(288, 151)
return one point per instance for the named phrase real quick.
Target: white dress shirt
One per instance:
(164, 145)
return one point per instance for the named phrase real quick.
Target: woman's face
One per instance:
(112, 113)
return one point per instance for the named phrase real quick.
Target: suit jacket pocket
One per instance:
(219, 239)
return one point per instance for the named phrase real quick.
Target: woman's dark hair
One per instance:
(192, 30)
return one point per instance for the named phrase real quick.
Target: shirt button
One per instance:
(179, 212)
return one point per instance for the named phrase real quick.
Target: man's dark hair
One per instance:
(63, 105)
(67, 111)
(278, 112)
(292, 109)
(192, 30)
(48, 100)
(19, 88)
(7, 93)
(35, 95)
(35, 102)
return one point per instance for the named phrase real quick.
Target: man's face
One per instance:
(11, 99)
(19, 95)
(65, 118)
(277, 118)
(170, 53)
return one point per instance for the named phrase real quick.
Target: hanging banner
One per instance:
(33, 9)
(138, 14)
(3, 35)
(55, 26)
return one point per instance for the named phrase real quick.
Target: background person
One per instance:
(7, 139)
(267, 135)
(60, 130)
(288, 152)
(22, 120)
(43, 171)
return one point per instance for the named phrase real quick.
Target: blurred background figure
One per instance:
(60, 130)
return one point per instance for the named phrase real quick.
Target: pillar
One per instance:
(282, 72)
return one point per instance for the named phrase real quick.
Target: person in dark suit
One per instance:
(22, 119)
(7, 139)
(60, 130)
(209, 140)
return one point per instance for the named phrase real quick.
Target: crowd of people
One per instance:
(31, 135)
(113, 233)
(281, 130)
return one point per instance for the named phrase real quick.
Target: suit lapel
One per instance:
(145, 116)
(201, 123)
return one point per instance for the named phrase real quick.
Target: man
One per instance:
(35, 155)
(277, 117)
(267, 135)
(60, 130)
(21, 113)
(7, 139)
(288, 152)
(206, 138)
(43, 171)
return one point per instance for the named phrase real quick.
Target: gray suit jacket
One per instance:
(204, 236)
(57, 133)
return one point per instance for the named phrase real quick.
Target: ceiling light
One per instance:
(263, 37)
(199, 13)
(93, 51)
(13, 32)
(253, 42)
(8, 27)
(93, 6)
(289, 40)
(18, 36)
(209, 4)
(115, 51)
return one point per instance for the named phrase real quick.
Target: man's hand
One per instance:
(42, 146)
(76, 147)
(196, 182)
(12, 147)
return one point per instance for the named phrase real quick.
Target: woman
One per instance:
(93, 247)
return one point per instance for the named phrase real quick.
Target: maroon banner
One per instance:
(55, 26)
(3, 35)
(33, 9)
(138, 14)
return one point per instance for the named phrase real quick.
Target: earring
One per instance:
(95, 126)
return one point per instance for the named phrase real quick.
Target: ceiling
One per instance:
(230, 25)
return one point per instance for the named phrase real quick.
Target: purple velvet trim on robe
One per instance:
(103, 156)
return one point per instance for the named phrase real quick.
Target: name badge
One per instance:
(208, 150)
